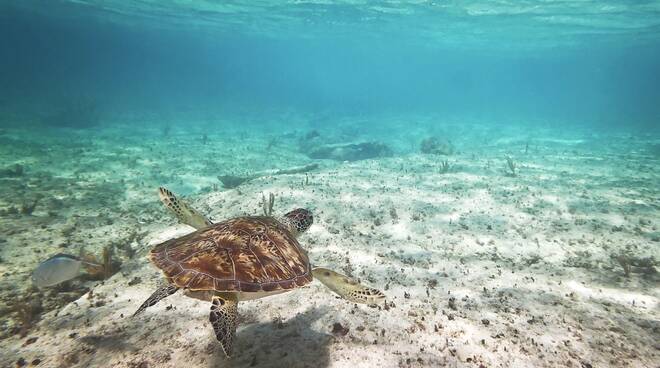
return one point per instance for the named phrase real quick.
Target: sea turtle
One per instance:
(242, 258)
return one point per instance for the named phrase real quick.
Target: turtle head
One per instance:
(298, 220)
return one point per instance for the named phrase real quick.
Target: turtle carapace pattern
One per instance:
(242, 258)
(244, 254)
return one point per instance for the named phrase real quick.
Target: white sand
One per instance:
(480, 269)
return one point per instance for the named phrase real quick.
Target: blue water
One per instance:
(491, 166)
(588, 63)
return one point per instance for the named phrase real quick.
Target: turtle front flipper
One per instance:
(162, 292)
(224, 318)
(347, 288)
(182, 210)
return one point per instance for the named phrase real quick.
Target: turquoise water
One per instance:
(492, 167)
(588, 62)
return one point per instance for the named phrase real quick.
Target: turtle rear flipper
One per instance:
(348, 288)
(162, 292)
(182, 210)
(224, 318)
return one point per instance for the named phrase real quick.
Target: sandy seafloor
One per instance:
(480, 269)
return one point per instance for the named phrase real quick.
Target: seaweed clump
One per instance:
(511, 168)
(28, 207)
(267, 204)
(14, 171)
(26, 313)
(25, 208)
(444, 167)
(646, 266)
(101, 268)
(437, 146)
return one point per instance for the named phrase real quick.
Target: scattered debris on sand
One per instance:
(555, 266)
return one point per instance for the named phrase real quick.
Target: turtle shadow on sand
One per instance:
(290, 343)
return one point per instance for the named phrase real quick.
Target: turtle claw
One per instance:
(161, 293)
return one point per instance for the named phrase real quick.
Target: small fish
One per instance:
(58, 269)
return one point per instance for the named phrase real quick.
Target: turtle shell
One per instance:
(244, 254)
